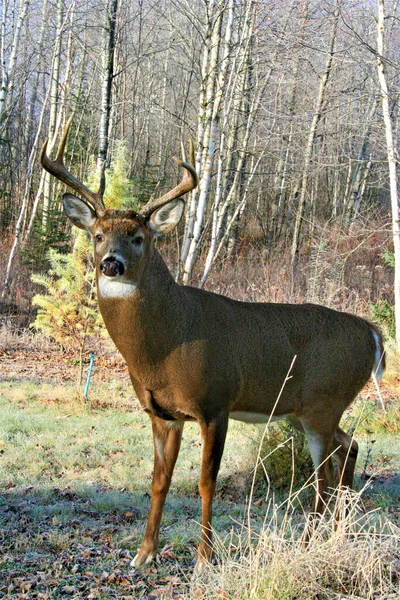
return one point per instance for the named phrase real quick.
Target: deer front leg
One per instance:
(167, 437)
(213, 434)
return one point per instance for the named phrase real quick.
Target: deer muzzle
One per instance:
(111, 267)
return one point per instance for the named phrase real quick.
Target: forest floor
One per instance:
(75, 481)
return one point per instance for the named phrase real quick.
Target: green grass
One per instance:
(49, 437)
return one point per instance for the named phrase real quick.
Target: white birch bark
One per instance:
(238, 113)
(391, 162)
(163, 104)
(237, 100)
(54, 87)
(207, 90)
(361, 170)
(8, 71)
(281, 172)
(108, 74)
(210, 139)
(33, 99)
(61, 112)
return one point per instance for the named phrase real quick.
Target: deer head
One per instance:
(122, 239)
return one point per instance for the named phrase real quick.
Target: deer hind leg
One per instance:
(213, 434)
(320, 445)
(167, 437)
(345, 450)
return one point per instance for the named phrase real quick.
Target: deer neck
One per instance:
(145, 324)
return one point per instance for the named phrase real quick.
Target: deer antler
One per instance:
(57, 168)
(189, 182)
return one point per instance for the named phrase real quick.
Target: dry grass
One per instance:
(12, 338)
(358, 560)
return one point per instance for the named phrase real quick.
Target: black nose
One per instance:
(111, 267)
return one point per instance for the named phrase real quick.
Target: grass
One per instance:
(75, 482)
(272, 564)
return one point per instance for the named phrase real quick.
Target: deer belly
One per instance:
(253, 417)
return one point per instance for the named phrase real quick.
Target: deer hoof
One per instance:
(142, 559)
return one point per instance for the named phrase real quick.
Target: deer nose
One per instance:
(111, 267)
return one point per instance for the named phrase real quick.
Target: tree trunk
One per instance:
(35, 84)
(54, 87)
(361, 170)
(391, 161)
(209, 133)
(8, 72)
(196, 211)
(108, 74)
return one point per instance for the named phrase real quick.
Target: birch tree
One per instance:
(206, 134)
(237, 101)
(54, 108)
(8, 67)
(392, 161)
(107, 80)
(23, 209)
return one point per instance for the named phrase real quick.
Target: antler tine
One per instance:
(57, 169)
(189, 182)
(63, 141)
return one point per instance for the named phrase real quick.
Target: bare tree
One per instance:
(392, 160)
(54, 106)
(108, 73)
(8, 68)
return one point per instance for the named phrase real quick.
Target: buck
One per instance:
(194, 355)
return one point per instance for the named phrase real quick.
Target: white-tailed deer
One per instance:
(198, 356)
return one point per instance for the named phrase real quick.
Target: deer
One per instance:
(195, 355)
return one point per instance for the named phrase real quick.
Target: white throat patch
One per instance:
(115, 288)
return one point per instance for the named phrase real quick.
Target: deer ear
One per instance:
(165, 218)
(81, 214)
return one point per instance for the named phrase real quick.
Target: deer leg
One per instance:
(167, 437)
(213, 434)
(345, 451)
(320, 445)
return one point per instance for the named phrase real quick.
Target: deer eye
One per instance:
(137, 241)
(99, 237)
